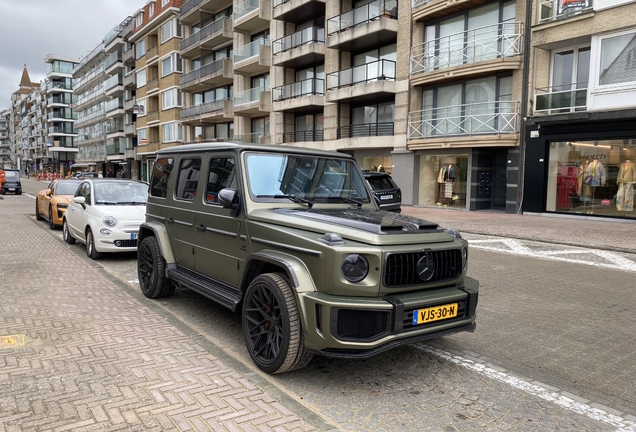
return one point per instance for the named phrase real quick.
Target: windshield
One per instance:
(64, 188)
(121, 193)
(11, 175)
(315, 178)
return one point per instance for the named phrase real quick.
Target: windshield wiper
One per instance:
(132, 202)
(348, 200)
(293, 198)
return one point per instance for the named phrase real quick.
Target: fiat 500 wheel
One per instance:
(271, 325)
(90, 246)
(151, 270)
(66, 235)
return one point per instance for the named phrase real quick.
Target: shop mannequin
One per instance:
(583, 189)
(625, 181)
(446, 178)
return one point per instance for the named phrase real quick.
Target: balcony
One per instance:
(553, 10)
(207, 38)
(152, 53)
(368, 24)
(129, 103)
(486, 49)
(426, 10)
(301, 49)
(130, 129)
(364, 81)
(152, 85)
(253, 58)
(253, 138)
(303, 136)
(365, 130)
(66, 129)
(130, 80)
(129, 56)
(298, 11)
(215, 74)
(561, 99)
(192, 10)
(468, 120)
(299, 95)
(112, 61)
(253, 102)
(152, 116)
(211, 112)
(252, 15)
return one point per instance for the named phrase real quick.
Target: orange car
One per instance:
(52, 202)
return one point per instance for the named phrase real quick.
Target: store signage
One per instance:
(569, 5)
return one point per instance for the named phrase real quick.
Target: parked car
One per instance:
(12, 183)
(388, 195)
(52, 202)
(84, 175)
(105, 215)
(292, 239)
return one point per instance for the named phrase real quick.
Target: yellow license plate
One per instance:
(423, 316)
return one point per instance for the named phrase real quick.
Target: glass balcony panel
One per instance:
(298, 89)
(249, 50)
(245, 8)
(361, 15)
(248, 96)
(374, 71)
(311, 34)
(554, 100)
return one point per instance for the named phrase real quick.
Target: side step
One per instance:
(225, 295)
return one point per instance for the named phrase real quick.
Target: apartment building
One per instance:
(101, 116)
(156, 34)
(5, 140)
(58, 101)
(23, 150)
(581, 130)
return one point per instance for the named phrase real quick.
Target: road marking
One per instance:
(515, 247)
(570, 404)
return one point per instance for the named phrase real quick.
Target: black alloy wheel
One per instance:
(37, 211)
(51, 224)
(151, 270)
(271, 325)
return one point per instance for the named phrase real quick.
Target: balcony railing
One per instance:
(62, 115)
(65, 98)
(249, 50)
(361, 15)
(303, 136)
(561, 99)
(206, 31)
(188, 5)
(471, 46)
(53, 67)
(551, 10)
(112, 59)
(207, 69)
(62, 129)
(253, 138)
(244, 8)
(113, 104)
(203, 108)
(365, 130)
(305, 36)
(311, 86)
(380, 70)
(483, 118)
(248, 96)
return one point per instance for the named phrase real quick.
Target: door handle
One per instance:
(170, 221)
(201, 228)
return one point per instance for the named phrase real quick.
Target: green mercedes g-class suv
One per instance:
(292, 238)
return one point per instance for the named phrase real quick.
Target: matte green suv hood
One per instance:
(365, 226)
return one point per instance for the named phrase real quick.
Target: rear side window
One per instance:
(188, 179)
(379, 183)
(221, 176)
(160, 176)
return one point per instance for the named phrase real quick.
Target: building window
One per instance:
(142, 136)
(141, 78)
(151, 9)
(142, 107)
(140, 48)
(139, 20)
(164, 2)
(171, 99)
(172, 132)
(171, 64)
(170, 29)
(617, 58)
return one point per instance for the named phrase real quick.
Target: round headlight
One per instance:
(355, 268)
(109, 221)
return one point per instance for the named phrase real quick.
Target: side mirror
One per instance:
(80, 200)
(228, 198)
(49, 192)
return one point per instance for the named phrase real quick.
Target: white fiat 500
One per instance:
(105, 215)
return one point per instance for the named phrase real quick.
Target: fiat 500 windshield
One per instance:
(307, 179)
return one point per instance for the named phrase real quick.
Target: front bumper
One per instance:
(354, 327)
(118, 241)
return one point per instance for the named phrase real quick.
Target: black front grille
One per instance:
(357, 324)
(401, 268)
(126, 243)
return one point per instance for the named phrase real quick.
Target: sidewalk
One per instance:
(594, 233)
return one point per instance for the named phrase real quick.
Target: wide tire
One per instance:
(151, 270)
(66, 234)
(90, 246)
(271, 325)
(51, 224)
(37, 211)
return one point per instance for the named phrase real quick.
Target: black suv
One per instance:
(387, 194)
(12, 182)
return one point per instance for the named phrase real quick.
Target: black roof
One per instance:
(231, 145)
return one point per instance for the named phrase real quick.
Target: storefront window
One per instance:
(592, 177)
(443, 180)
(376, 164)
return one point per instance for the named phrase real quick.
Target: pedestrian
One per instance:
(110, 173)
(119, 174)
(100, 175)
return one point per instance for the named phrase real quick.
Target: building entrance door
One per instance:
(500, 180)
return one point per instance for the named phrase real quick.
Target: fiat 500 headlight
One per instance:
(355, 268)
(109, 221)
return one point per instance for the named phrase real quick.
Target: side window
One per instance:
(85, 191)
(160, 176)
(188, 178)
(221, 175)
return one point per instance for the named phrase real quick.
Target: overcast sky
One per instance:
(31, 29)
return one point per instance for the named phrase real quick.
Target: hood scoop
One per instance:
(373, 221)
